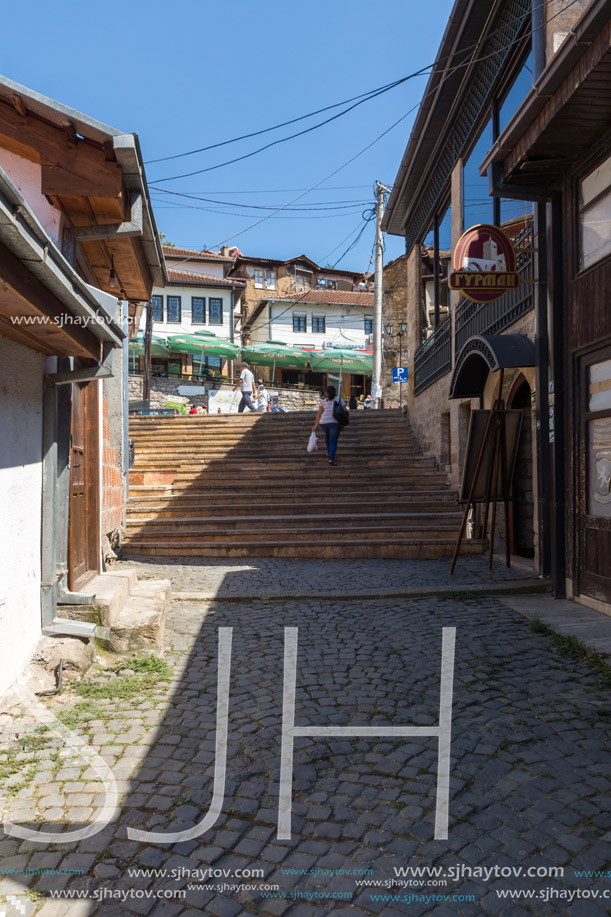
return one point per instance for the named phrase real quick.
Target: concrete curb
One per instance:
(510, 587)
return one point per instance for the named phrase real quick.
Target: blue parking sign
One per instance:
(399, 374)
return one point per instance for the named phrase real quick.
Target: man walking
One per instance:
(247, 386)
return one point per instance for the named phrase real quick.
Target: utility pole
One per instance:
(376, 382)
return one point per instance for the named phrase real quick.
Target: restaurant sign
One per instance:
(484, 264)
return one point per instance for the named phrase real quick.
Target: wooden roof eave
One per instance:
(550, 81)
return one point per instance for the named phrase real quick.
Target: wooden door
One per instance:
(594, 501)
(83, 539)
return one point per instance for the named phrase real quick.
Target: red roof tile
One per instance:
(189, 277)
(343, 297)
(171, 252)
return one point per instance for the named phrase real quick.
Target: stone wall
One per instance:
(394, 310)
(164, 390)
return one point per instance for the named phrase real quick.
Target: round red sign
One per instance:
(484, 264)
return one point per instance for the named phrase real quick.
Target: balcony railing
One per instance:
(492, 317)
(433, 359)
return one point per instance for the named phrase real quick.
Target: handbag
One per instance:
(340, 414)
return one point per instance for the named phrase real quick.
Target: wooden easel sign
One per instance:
(492, 448)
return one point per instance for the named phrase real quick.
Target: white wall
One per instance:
(21, 388)
(209, 268)
(26, 176)
(344, 325)
(165, 329)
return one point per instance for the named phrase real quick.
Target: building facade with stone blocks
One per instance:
(479, 153)
(74, 279)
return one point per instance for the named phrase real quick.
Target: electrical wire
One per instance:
(323, 206)
(360, 100)
(466, 63)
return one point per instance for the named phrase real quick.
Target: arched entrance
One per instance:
(523, 504)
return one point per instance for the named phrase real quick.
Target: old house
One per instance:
(197, 296)
(520, 138)
(79, 254)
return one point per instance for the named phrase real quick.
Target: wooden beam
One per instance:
(22, 294)
(67, 168)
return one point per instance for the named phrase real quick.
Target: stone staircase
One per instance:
(244, 486)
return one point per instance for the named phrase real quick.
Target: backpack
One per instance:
(340, 414)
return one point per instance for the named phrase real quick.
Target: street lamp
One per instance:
(390, 331)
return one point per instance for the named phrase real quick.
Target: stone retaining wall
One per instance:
(164, 390)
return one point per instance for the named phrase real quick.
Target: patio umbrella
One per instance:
(204, 343)
(344, 359)
(158, 345)
(275, 353)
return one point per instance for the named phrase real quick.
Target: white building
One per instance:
(197, 297)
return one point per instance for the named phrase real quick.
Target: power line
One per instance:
(360, 100)
(322, 206)
(363, 96)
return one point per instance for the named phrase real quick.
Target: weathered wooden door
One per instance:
(83, 509)
(594, 504)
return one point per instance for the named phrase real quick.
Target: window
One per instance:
(134, 363)
(259, 279)
(157, 304)
(270, 280)
(206, 366)
(325, 284)
(318, 324)
(368, 324)
(598, 436)
(173, 309)
(215, 311)
(595, 215)
(198, 310)
(299, 324)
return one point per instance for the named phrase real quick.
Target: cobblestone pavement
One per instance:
(271, 575)
(530, 770)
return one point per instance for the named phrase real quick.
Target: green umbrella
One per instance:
(275, 353)
(158, 345)
(204, 343)
(344, 359)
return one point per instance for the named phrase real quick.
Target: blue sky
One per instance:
(196, 73)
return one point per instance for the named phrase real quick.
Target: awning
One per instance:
(484, 354)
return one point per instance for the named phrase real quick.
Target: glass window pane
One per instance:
(516, 94)
(259, 280)
(157, 304)
(477, 204)
(595, 183)
(599, 386)
(173, 307)
(599, 467)
(215, 311)
(270, 280)
(198, 310)
(595, 231)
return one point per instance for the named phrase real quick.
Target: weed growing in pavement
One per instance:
(103, 855)
(126, 686)
(147, 665)
(573, 648)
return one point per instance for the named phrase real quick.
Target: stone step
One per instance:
(163, 497)
(392, 547)
(223, 510)
(247, 531)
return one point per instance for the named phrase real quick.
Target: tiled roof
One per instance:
(180, 276)
(327, 270)
(171, 252)
(343, 297)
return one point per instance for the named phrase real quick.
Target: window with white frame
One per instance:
(259, 279)
(318, 324)
(173, 309)
(270, 280)
(215, 311)
(157, 304)
(595, 215)
(300, 324)
(198, 310)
